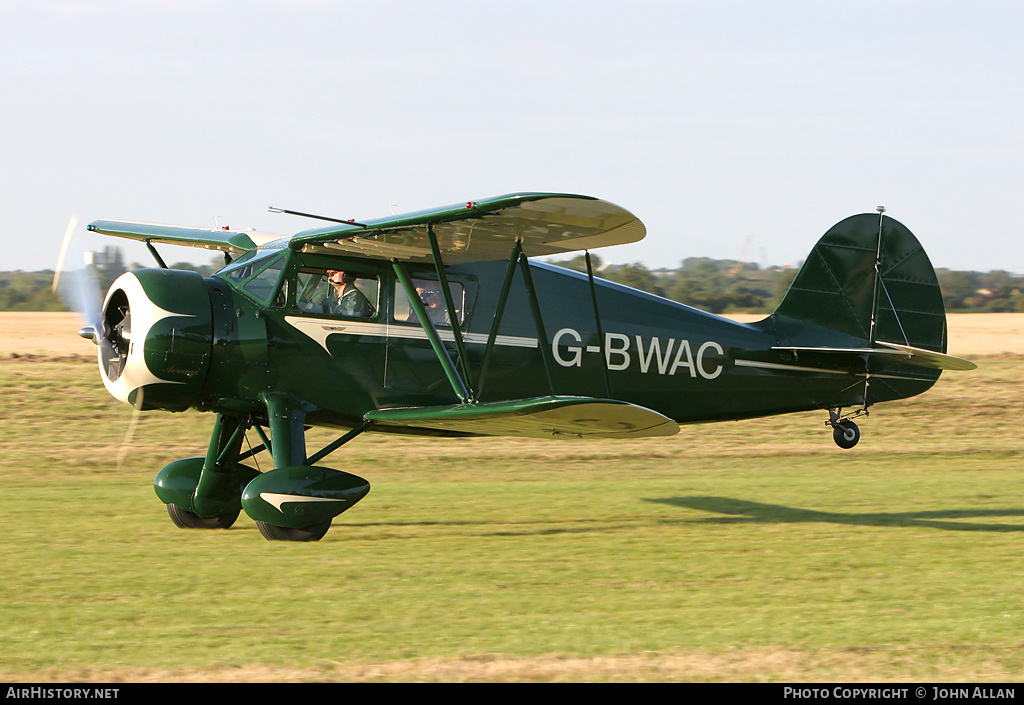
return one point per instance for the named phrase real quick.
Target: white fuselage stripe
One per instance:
(788, 368)
(319, 328)
(799, 368)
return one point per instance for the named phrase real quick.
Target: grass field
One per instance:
(753, 551)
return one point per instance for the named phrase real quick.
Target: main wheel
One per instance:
(846, 434)
(283, 533)
(185, 519)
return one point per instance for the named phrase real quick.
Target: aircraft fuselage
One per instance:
(687, 364)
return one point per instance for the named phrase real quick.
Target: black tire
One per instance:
(283, 533)
(185, 519)
(846, 434)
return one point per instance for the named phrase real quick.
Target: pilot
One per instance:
(345, 298)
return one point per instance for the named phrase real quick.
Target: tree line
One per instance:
(718, 286)
(728, 286)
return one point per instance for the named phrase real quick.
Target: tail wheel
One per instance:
(185, 519)
(845, 433)
(283, 533)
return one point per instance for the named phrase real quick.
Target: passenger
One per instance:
(433, 302)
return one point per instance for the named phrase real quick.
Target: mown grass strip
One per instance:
(757, 543)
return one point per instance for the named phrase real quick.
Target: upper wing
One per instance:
(478, 231)
(224, 240)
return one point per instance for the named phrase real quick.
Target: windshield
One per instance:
(240, 263)
(256, 273)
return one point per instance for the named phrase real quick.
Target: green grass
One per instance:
(757, 543)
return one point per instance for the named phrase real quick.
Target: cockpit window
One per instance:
(337, 292)
(263, 283)
(430, 294)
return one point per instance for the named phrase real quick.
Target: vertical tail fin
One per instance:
(867, 279)
(867, 299)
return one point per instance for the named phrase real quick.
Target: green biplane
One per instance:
(441, 323)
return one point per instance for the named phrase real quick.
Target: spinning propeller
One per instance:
(78, 288)
(110, 330)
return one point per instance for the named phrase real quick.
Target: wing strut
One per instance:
(600, 331)
(519, 258)
(156, 255)
(458, 376)
(458, 384)
(449, 304)
(506, 286)
(538, 320)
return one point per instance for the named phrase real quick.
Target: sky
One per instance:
(733, 130)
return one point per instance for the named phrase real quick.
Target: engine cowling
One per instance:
(156, 338)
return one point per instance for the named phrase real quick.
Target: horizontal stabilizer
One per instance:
(541, 417)
(930, 358)
(894, 352)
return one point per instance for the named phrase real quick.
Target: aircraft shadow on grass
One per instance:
(741, 511)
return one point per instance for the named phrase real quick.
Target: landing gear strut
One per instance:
(294, 501)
